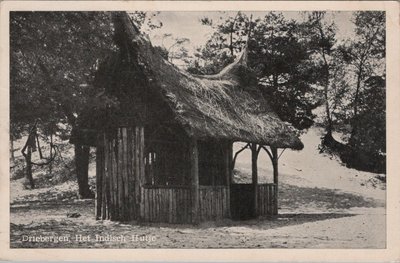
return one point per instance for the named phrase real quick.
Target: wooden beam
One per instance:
(194, 172)
(275, 158)
(99, 176)
(228, 163)
(229, 173)
(254, 175)
(141, 167)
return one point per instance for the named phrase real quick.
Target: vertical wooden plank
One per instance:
(276, 174)
(254, 175)
(194, 162)
(264, 200)
(174, 206)
(131, 166)
(202, 198)
(125, 174)
(147, 200)
(166, 205)
(111, 179)
(115, 177)
(127, 169)
(276, 195)
(179, 204)
(216, 193)
(112, 183)
(217, 210)
(158, 212)
(270, 201)
(99, 178)
(106, 190)
(141, 159)
(136, 168)
(107, 197)
(112, 186)
(188, 214)
(114, 210)
(120, 175)
(159, 202)
(155, 198)
(222, 202)
(227, 202)
(150, 202)
(260, 201)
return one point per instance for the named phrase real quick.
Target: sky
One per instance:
(187, 24)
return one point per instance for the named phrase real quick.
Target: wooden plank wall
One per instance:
(120, 172)
(214, 202)
(171, 204)
(267, 201)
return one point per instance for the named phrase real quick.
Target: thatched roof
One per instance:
(223, 106)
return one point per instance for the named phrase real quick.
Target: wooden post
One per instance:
(275, 167)
(141, 170)
(194, 172)
(229, 172)
(254, 176)
(99, 177)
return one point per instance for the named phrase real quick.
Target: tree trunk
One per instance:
(328, 128)
(356, 98)
(12, 150)
(82, 168)
(231, 43)
(51, 154)
(28, 169)
(254, 175)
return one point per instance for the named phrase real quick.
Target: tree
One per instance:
(285, 68)
(322, 41)
(53, 59)
(365, 53)
(228, 38)
(175, 49)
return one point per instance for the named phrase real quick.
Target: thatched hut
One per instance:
(165, 154)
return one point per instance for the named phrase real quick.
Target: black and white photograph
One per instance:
(220, 129)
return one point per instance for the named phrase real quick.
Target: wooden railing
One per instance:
(172, 204)
(214, 202)
(267, 199)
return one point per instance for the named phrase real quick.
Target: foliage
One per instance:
(366, 56)
(175, 49)
(53, 57)
(372, 117)
(281, 58)
(277, 54)
(228, 38)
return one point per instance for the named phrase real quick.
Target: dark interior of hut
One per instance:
(167, 158)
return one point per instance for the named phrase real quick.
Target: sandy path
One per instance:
(322, 205)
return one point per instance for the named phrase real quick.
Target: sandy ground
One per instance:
(322, 205)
